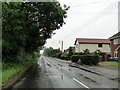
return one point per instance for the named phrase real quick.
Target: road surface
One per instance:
(56, 73)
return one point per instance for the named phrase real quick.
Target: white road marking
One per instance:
(81, 83)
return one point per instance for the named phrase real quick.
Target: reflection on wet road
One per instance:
(56, 73)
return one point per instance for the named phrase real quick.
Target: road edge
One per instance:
(9, 84)
(83, 68)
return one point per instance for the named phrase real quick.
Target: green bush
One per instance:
(86, 51)
(101, 58)
(58, 55)
(75, 58)
(64, 56)
(101, 54)
(11, 69)
(76, 53)
(81, 53)
(89, 59)
(95, 59)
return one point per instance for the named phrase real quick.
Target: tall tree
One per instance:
(27, 25)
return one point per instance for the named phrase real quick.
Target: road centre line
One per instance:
(81, 83)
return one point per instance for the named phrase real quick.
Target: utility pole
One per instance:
(61, 45)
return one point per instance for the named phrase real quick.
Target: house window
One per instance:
(115, 54)
(100, 45)
(77, 45)
(118, 40)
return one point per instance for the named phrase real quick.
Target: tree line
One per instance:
(85, 57)
(27, 26)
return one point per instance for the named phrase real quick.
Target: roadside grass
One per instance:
(0, 42)
(109, 63)
(0, 80)
(10, 70)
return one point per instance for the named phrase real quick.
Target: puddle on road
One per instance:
(62, 77)
(49, 64)
(60, 65)
(56, 77)
(39, 63)
(47, 74)
(70, 69)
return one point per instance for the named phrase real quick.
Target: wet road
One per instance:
(56, 73)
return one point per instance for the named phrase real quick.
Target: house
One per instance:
(92, 44)
(115, 45)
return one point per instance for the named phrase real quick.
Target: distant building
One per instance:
(115, 45)
(72, 49)
(92, 44)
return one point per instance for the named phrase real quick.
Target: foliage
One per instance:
(55, 53)
(75, 58)
(109, 63)
(26, 26)
(89, 59)
(51, 52)
(70, 53)
(11, 69)
(86, 51)
(76, 53)
(58, 55)
(80, 53)
(101, 55)
(64, 56)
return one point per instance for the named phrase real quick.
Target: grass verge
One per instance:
(109, 63)
(10, 70)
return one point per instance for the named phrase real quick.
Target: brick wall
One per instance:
(113, 47)
(119, 55)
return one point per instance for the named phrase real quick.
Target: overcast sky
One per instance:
(86, 19)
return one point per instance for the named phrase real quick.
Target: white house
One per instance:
(92, 44)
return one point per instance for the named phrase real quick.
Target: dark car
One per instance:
(113, 59)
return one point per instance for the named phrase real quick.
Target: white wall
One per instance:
(77, 47)
(93, 47)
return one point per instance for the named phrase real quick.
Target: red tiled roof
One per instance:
(91, 40)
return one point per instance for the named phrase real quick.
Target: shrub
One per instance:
(58, 55)
(76, 53)
(86, 51)
(95, 59)
(75, 58)
(101, 54)
(64, 56)
(81, 53)
(89, 59)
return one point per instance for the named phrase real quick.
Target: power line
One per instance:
(87, 4)
(91, 3)
(94, 19)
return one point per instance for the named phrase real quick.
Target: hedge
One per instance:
(58, 55)
(89, 59)
(64, 57)
(75, 58)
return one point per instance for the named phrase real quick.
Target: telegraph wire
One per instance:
(94, 19)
